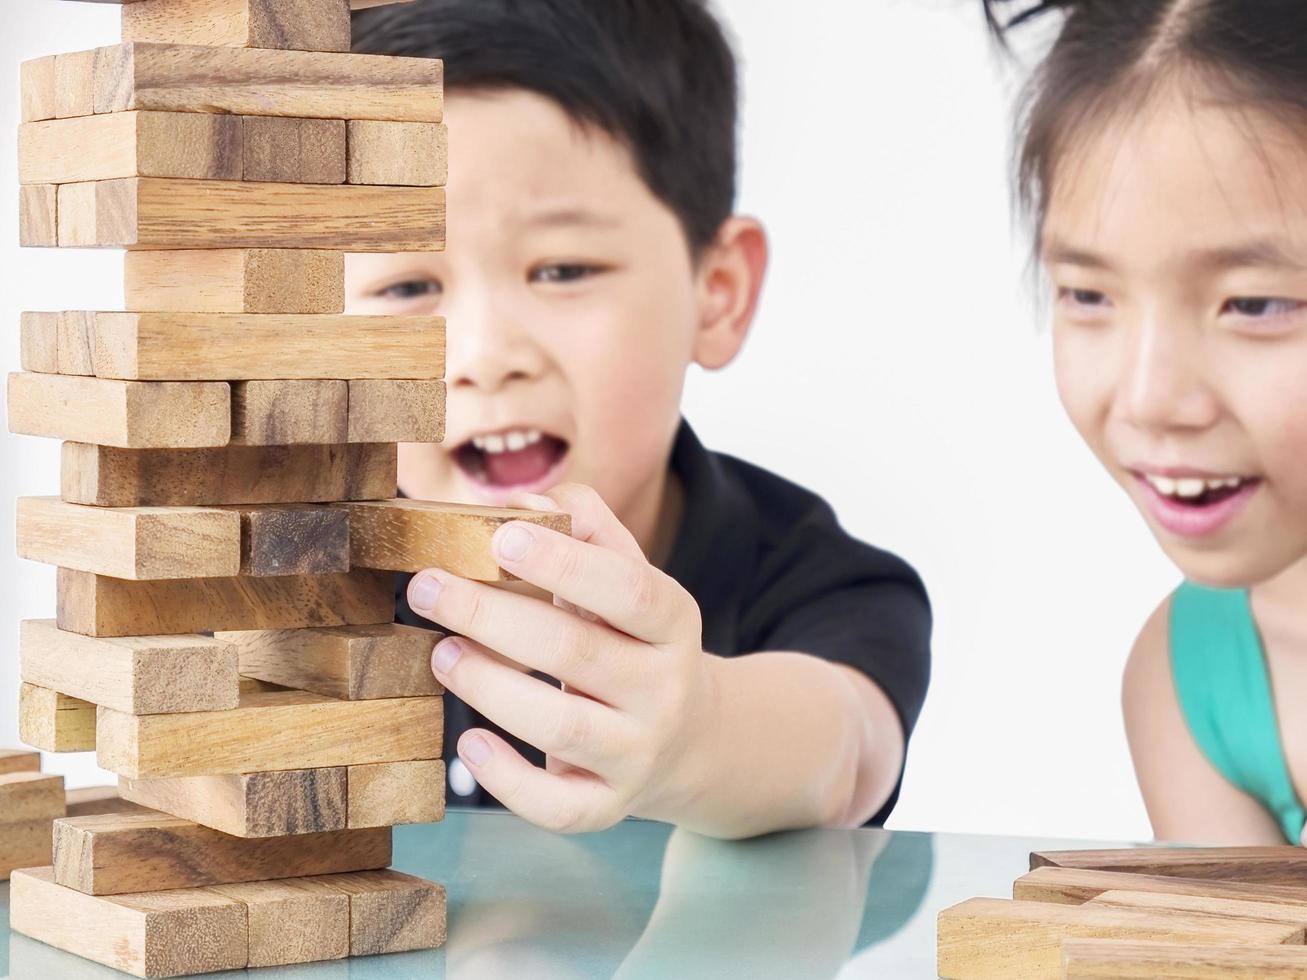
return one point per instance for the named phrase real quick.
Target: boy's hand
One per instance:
(625, 734)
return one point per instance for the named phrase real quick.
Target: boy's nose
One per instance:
(1163, 379)
(488, 351)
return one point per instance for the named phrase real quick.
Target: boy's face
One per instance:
(572, 304)
(1177, 240)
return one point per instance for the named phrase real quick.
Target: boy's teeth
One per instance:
(494, 444)
(515, 441)
(510, 442)
(479, 442)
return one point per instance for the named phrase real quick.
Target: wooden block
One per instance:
(25, 845)
(130, 542)
(38, 216)
(398, 153)
(74, 84)
(299, 25)
(248, 280)
(28, 796)
(36, 82)
(92, 800)
(1073, 886)
(391, 793)
(249, 81)
(994, 938)
(297, 151)
(410, 535)
(295, 920)
(97, 605)
(1223, 908)
(76, 340)
(396, 411)
(140, 675)
(306, 539)
(257, 804)
(19, 760)
(392, 912)
(1270, 865)
(130, 144)
(159, 212)
(152, 934)
(1099, 959)
(365, 4)
(272, 730)
(280, 413)
(109, 477)
(39, 342)
(126, 414)
(352, 663)
(120, 853)
(55, 722)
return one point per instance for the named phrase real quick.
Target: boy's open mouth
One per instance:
(510, 457)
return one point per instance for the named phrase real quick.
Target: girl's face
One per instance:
(1176, 240)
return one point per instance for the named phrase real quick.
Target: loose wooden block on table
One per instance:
(25, 844)
(130, 543)
(396, 411)
(168, 213)
(994, 938)
(307, 539)
(297, 151)
(256, 804)
(235, 280)
(271, 730)
(1099, 959)
(89, 801)
(110, 477)
(55, 722)
(398, 153)
(299, 25)
(140, 675)
(281, 413)
(120, 853)
(38, 215)
(1075, 886)
(1225, 908)
(19, 760)
(391, 912)
(26, 796)
(151, 934)
(388, 794)
(1282, 865)
(294, 920)
(352, 663)
(126, 414)
(196, 145)
(410, 535)
(249, 81)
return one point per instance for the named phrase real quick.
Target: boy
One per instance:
(759, 669)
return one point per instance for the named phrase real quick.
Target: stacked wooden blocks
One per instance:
(1142, 913)
(226, 533)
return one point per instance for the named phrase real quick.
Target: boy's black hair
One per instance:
(657, 75)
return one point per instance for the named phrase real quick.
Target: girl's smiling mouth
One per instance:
(1194, 505)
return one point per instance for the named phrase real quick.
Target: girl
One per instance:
(1164, 159)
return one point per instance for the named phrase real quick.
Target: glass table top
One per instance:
(643, 900)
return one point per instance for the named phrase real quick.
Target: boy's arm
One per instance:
(647, 723)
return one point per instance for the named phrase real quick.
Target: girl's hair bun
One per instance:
(1003, 15)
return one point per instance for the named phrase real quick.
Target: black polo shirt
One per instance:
(771, 569)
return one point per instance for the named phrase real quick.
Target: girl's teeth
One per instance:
(1190, 488)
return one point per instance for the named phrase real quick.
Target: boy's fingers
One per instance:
(592, 521)
(571, 803)
(577, 730)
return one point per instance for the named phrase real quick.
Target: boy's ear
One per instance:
(730, 277)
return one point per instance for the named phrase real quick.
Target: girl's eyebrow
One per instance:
(1261, 252)
(1058, 252)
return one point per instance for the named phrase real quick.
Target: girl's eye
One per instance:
(1262, 307)
(1082, 297)
(410, 289)
(564, 272)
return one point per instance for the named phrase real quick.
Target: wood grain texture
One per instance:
(282, 413)
(140, 675)
(25, 844)
(296, 151)
(26, 796)
(298, 25)
(1234, 909)
(388, 794)
(97, 605)
(75, 330)
(19, 760)
(365, 4)
(37, 87)
(74, 84)
(130, 543)
(249, 280)
(1101, 959)
(168, 213)
(275, 730)
(993, 938)
(110, 477)
(398, 153)
(126, 414)
(303, 539)
(38, 216)
(89, 801)
(248, 81)
(396, 411)
(131, 144)
(153, 934)
(294, 920)
(55, 722)
(1074, 886)
(392, 912)
(121, 853)
(410, 535)
(39, 342)
(1269, 865)
(258, 804)
(352, 663)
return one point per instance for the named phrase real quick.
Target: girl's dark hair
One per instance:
(1111, 54)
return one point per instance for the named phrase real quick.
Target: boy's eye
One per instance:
(1262, 307)
(410, 289)
(563, 272)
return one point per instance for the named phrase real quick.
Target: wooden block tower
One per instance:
(226, 533)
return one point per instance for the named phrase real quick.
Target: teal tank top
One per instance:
(1224, 689)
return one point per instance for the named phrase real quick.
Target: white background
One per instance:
(899, 368)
